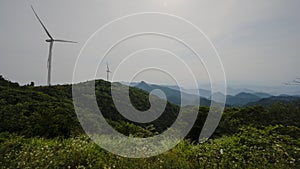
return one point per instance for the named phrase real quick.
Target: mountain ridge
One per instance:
(240, 99)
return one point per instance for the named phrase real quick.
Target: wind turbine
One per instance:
(51, 41)
(107, 71)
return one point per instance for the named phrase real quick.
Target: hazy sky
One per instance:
(258, 41)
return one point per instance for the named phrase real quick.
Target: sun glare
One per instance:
(171, 3)
(165, 4)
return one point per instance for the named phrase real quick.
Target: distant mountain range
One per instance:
(174, 95)
(245, 97)
(273, 99)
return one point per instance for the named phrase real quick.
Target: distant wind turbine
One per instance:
(107, 71)
(51, 41)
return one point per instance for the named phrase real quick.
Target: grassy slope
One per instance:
(250, 148)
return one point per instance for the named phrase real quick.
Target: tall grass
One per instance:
(251, 148)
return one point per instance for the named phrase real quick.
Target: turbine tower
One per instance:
(107, 71)
(51, 41)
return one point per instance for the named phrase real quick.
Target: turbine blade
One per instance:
(41, 22)
(68, 41)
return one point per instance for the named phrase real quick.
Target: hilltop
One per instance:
(48, 110)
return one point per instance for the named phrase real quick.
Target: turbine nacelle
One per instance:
(59, 40)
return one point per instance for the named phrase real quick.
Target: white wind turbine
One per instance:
(107, 71)
(51, 41)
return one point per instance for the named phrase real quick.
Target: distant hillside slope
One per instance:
(241, 99)
(274, 99)
(262, 95)
(235, 98)
(203, 92)
(174, 95)
(259, 99)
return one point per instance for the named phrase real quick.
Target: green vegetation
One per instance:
(250, 148)
(39, 129)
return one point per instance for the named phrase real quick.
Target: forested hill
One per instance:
(39, 129)
(48, 110)
(37, 111)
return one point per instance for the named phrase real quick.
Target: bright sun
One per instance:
(168, 3)
(165, 3)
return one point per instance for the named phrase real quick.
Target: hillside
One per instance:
(262, 95)
(241, 99)
(274, 99)
(173, 94)
(49, 111)
(39, 129)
